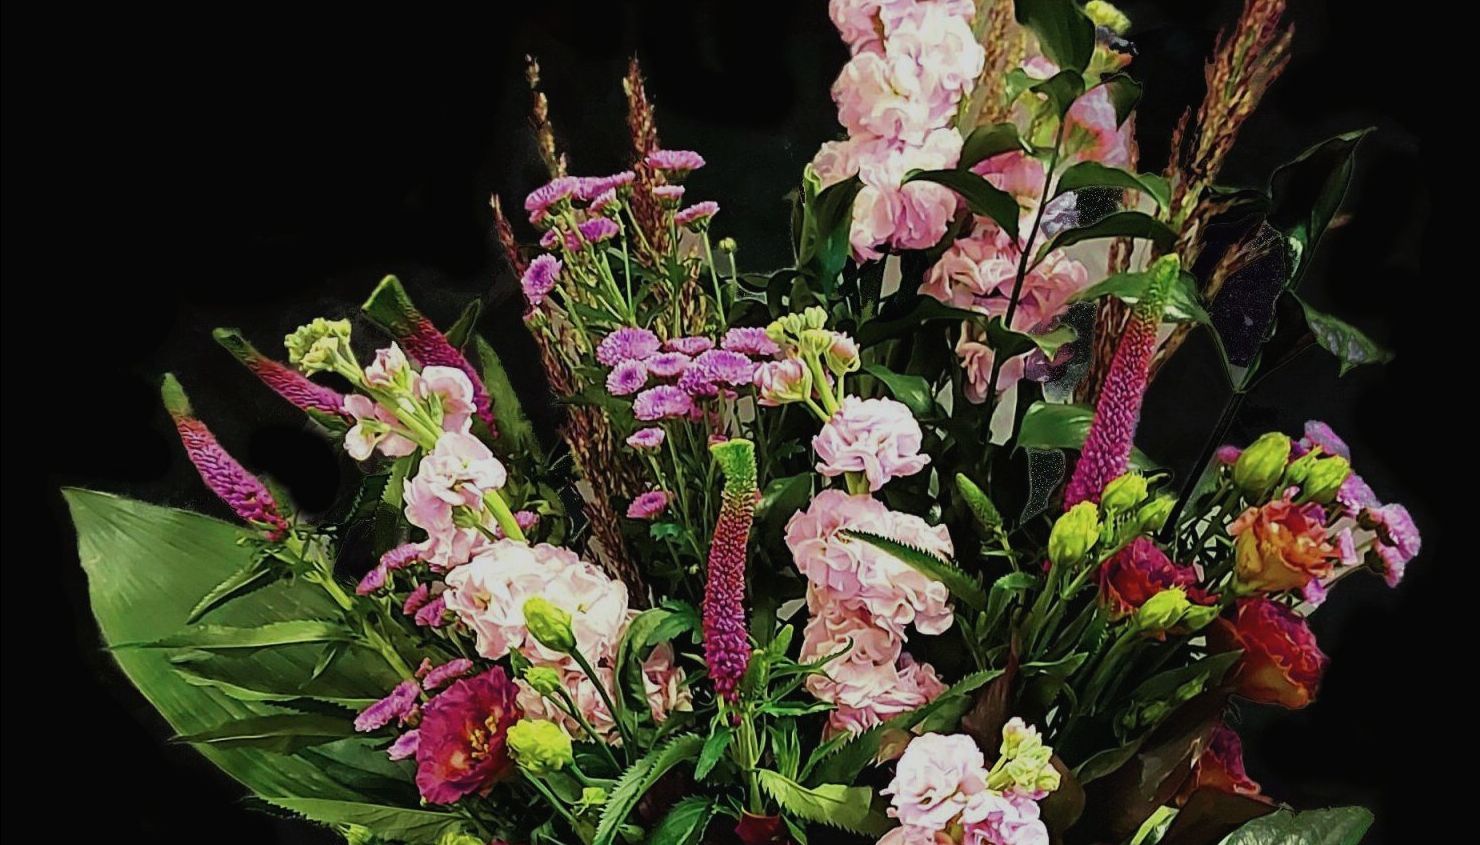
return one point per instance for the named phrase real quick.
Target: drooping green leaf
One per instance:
(515, 432)
(1065, 33)
(462, 328)
(967, 589)
(249, 579)
(1051, 425)
(832, 214)
(1335, 826)
(1121, 224)
(1183, 304)
(1010, 342)
(638, 779)
(685, 823)
(1091, 174)
(913, 391)
(847, 808)
(1350, 346)
(283, 733)
(982, 197)
(1125, 94)
(987, 141)
(1306, 193)
(397, 824)
(214, 637)
(1061, 89)
(714, 748)
(782, 498)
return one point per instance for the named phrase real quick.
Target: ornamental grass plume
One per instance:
(1107, 448)
(726, 643)
(240, 489)
(306, 395)
(391, 309)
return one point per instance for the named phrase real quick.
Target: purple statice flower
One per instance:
(447, 672)
(604, 201)
(697, 383)
(403, 556)
(726, 367)
(626, 378)
(1112, 432)
(542, 199)
(662, 402)
(395, 707)
(1397, 542)
(726, 643)
(1319, 434)
(373, 581)
(417, 599)
(648, 506)
(540, 278)
(647, 438)
(626, 344)
(599, 229)
(668, 364)
(752, 341)
(242, 491)
(405, 746)
(690, 346)
(676, 162)
(1355, 495)
(433, 615)
(284, 380)
(589, 187)
(697, 215)
(669, 195)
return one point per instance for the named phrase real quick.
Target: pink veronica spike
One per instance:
(726, 642)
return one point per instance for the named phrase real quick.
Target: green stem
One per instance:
(549, 797)
(606, 698)
(569, 706)
(494, 499)
(719, 294)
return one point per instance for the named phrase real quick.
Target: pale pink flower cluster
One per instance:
(448, 488)
(447, 391)
(913, 61)
(862, 601)
(488, 595)
(877, 437)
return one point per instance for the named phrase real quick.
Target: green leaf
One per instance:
(685, 823)
(398, 824)
(1306, 193)
(146, 568)
(782, 498)
(283, 733)
(987, 141)
(981, 196)
(1121, 224)
(1350, 346)
(1061, 89)
(1010, 342)
(638, 779)
(242, 692)
(961, 585)
(1002, 591)
(515, 432)
(832, 212)
(1091, 174)
(714, 748)
(387, 528)
(1184, 304)
(913, 391)
(462, 328)
(847, 808)
(249, 579)
(1065, 33)
(926, 309)
(1336, 826)
(1051, 425)
(214, 637)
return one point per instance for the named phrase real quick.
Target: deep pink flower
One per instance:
(662, 402)
(752, 341)
(648, 506)
(402, 556)
(284, 380)
(396, 706)
(541, 199)
(462, 747)
(373, 581)
(690, 346)
(433, 614)
(626, 378)
(726, 642)
(1140, 571)
(417, 599)
(446, 673)
(598, 229)
(676, 162)
(1221, 767)
(697, 215)
(1281, 662)
(626, 344)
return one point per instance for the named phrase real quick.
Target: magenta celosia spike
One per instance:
(309, 396)
(391, 309)
(1107, 448)
(240, 489)
(726, 641)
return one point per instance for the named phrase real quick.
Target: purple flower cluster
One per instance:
(688, 369)
(675, 163)
(540, 279)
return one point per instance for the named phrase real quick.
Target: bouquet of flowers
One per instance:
(861, 548)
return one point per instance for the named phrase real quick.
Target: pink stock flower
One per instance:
(626, 344)
(697, 215)
(649, 505)
(936, 779)
(417, 599)
(779, 382)
(647, 438)
(374, 430)
(540, 279)
(877, 437)
(1093, 132)
(462, 745)
(662, 402)
(976, 365)
(980, 272)
(912, 216)
(1010, 819)
(395, 707)
(390, 307)
(457, 473)
(448, 391)
(750, 340)
(372, 582)
(626, 378)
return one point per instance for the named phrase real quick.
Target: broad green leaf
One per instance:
(961, 585)
(280, 732)
(515, 432)
(396, 824)
(1335, 826)
(982, 197)
(1121, 224)
(925, 309)
(987, 141)
(913, 391)
(1184, 303)
(1050, 425)
(714, 748)
(832, 212)
(1350, 346)
(250, 578)
(685, 823)
(214, 637)
(1091, 174)
(1010, 342)
(782, 498)
(638, 779)
(1065, 33)
(147, 566)
(1306, 193)
(847, 808)
(1061, 89)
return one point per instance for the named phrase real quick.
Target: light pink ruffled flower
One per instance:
(454, 474)
(779, 382)
(374, 430)
(976, 364)
(626, 378)
(1006, 819)
(877, 437)
(1092, 133)
(913, 216)
(450, 392)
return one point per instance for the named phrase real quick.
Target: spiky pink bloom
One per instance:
(668, 364)
(626, 344)
(598, 229)
(391, 309)
(675, 161)
(726, 643)
(417, 599)
(403, 556)
(1107, 448)
(284, 380)
(242, 491)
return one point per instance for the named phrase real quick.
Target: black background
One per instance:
(167, 173)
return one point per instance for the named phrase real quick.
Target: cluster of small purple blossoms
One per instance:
(688, 370)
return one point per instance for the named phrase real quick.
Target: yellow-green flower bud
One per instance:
(776, 331)
(1106, 15)
(549, 625)
(815, 342)
(980, 505)
(358, 835)
(1074, 534)
(458, 837)
(592, 797)
(842, 354)
(1261, 465)
(1198, 617)
(543, 680)
(1154, 514)
(814, 317)
(1325, 478)
(1162, 611)
(1123, 494)
(540, 747)
(728, 245)
(314, 347)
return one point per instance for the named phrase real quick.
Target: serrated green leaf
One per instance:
(847, 808)
(282, 733)
(217, 637)
(397, 824)
(714, 748)
(685, 823)
(249, 579)
(638, 779)
(516, 433)
(961, 585)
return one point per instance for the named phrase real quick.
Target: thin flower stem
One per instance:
(549, 797)
(719, 294)
(606, 697)
(569, 706)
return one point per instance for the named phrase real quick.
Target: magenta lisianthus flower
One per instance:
(669, 196)
(877, 437)
(626, 344)
(446, 673)
(675, 162)
(626, 378)
(697, 215)
(598, 229)
(690, 346)
(395, 707)
(752, 341)
(662, 402)
(463, 748)
(247, 496)
(723, 366)
(647, 438)
(284, 380)
(649, 505)
(668, 364)
(540, 279)
(726, 642)
(1112, 432)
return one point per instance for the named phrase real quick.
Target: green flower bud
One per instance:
(592, 797)
(977, 501)
(1106, 15)
(1198, 617)
(1299, 469)
(1325, 478)
(1154, 514)
(543, 680)
(1162, 611)
(358, 835)
(549, 625)
(314, 347)
(814, 317)
(540, 747)
(1261, 465)
(1123, 494)
(776, 331)
(458, 837)
(815, 342)
(728, 245)
(1074, 534)
(842, 354)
